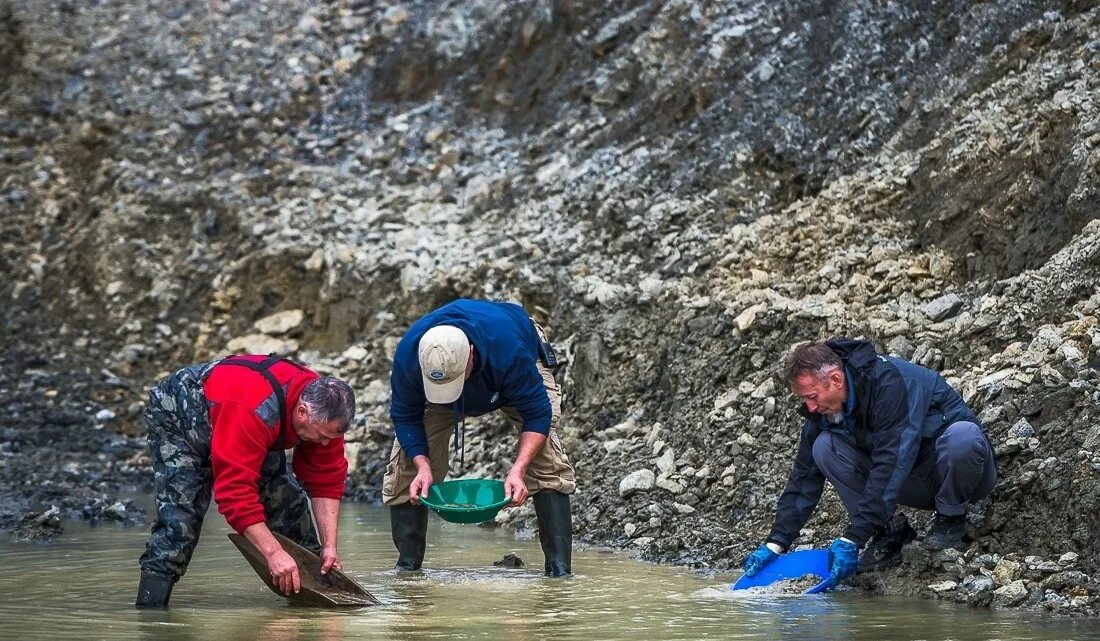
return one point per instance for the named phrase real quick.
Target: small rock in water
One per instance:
(509, 561)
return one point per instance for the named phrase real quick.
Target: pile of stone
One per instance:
(984, 579)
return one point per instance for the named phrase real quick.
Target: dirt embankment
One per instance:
(681, 192)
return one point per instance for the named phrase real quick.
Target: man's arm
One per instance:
(327, 514)
(802, 492)
(239, 444)
(407, 404)
(237, 450)
(283, 569)
(530, 443)
(897, 418)
(526, 390)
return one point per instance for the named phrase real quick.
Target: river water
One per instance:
(82, 587)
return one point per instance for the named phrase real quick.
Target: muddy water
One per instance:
(82, 587)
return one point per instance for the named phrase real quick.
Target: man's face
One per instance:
(313, 431)
(822, 394)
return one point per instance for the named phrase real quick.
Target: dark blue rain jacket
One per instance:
(901, 408)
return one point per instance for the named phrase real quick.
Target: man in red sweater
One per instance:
(223, 427)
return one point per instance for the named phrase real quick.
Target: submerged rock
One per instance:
(509, 561)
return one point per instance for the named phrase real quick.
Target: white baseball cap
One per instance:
(444, 351)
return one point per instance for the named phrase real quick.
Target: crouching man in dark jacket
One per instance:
(884, 432)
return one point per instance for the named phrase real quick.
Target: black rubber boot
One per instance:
(154, 591)
(884, 551)
(409, 526)
(945, 532)
(555, 531)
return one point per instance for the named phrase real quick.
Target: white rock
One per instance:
(102, 416)
(261, 344)
(638, 481)
(669, 485)
(629, 529)
(351, 453)
(995, 377)
(1012, 594)
(1072, 354)
(666, 464)
(943, 586)
(765, 389)
(280, 322)
(723, 401)
(355, 353)
(651, 287)
(316, 260)
(683, 509)
(748, 316)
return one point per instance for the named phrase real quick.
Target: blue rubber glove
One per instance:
(760, 557)
(843, 559)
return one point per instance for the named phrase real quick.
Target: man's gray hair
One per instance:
(811, 358)
(330, 399)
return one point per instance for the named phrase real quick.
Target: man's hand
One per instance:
(515, 487)
(843, 558)
(331, 560)
(420, 484)
(761, 556)
(284, 572)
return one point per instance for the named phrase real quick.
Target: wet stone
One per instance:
(509, 561)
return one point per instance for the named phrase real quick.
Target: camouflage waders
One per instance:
(179, 444)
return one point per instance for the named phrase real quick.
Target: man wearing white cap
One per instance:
(469, 358)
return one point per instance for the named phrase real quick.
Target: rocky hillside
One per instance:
(679, 191)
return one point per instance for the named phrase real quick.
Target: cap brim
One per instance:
(442, 393)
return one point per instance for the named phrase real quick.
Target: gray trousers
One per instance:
(961, 470)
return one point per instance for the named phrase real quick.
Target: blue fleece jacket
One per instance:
(505, 371)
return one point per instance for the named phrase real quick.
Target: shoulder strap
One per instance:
(264, 369)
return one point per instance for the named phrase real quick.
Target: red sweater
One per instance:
(246, 426)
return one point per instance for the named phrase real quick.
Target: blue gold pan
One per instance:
(791, 565)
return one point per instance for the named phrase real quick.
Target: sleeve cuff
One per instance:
(327, 493)
(415, 451)
(539, 425)
(778, 539)
(855, 537)
(241, 524)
